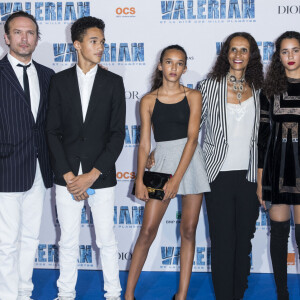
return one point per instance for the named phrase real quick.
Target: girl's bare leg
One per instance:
(191, 205)
(153, 214)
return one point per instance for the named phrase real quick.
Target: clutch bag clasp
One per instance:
(152, 190)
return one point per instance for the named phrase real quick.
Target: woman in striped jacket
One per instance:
(231, 118)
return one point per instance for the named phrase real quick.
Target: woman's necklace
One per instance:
(238, 85)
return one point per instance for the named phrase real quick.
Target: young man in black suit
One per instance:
(86, 130)
(25, 171)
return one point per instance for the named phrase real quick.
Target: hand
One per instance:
(171, 188)
(78, 185)
(84, 196)
(150, 161)
(259, 196)
(68, 177)
(141, 191)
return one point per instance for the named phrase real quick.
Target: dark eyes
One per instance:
(243, 50)
(19, 32)
(286, 52)
(95, 42)
(169, 62)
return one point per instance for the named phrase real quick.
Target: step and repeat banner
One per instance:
(136, 31)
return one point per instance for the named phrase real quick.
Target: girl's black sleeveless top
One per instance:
(170, 121)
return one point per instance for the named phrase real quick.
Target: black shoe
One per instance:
(283, 295)
(174, 297)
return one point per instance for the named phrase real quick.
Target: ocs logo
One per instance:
(126, 176)
(125, 11)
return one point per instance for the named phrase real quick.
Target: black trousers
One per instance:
(232, 209)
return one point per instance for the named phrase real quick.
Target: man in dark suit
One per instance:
(24, 163)
(86, 130)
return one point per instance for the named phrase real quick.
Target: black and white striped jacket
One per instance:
(214, 97)
(22, 139)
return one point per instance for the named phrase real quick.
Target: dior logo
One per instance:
(289, 9)
(134, 95)
(125, 255)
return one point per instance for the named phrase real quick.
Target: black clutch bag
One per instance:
(154, 182)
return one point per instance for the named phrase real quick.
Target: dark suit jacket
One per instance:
(96, 142)
(22, 139)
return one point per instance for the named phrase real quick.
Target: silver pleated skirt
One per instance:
(167, 156)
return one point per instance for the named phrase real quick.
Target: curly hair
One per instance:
(78, 29)
(157, 77)
(254, 70)
(276, 79)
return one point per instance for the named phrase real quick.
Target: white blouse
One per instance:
(240, 124)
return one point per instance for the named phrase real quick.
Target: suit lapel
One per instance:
(43, 97)
(255, 94)
(11, 77)
(96, 91)
(75, 93)
(222, 101)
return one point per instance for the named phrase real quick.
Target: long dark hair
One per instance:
(157, 78)
(276, 80)
(254, 70)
